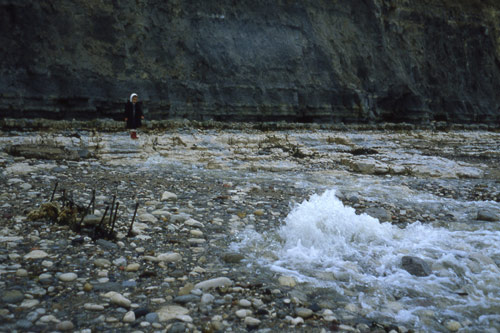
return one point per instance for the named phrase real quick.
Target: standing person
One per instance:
(133, 115)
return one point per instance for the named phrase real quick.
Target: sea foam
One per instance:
(327, 244)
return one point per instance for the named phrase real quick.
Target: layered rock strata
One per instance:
(305, 61)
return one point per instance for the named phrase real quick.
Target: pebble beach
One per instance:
(213, 245)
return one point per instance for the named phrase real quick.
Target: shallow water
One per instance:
(321, 235)
(323, 243)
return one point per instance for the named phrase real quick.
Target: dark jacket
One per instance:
(133, 119)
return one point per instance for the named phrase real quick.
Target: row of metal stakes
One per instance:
(100, 230)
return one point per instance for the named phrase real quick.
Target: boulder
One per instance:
(415, 266)
(487, 215)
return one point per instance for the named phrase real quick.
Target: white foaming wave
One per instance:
(323, 234)
(323, 230)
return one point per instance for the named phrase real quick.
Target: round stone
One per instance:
(93, 307)
(168, 196)
(232, 258)
(252, 322)
(12, 296)
(120, 300)
(242, 313)
(65, 326)
(36, 254)
(120, 261)
(129, 284)
(24, 324)
(288, 281)
(45, 277)
(453, 325)
(207, 299)
(129, 317)
(68, 277)
(21, 272)
(177, 327)
(244, 303)
(169, 257)
(47, 263)
(152, 317)
(196, 233)
(132, 267)
(102, 263)
(304, 312)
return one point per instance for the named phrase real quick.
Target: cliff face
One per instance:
(322, 60)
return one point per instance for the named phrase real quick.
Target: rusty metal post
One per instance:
(129, 234)
(54, 192)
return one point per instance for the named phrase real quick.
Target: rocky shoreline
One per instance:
(177, 272)
(110, 125)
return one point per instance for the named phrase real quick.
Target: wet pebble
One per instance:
(287, 281)
(12, 296)
(93, 307)
(232, 258)
(132, 267)
(129, 317)
(68, 277)
(119, 299)
(244, 303)
(207, 299)
(152, 317)
(214, 283)
(252, 322)
(36, 254)
(242, 313)
(102, 263)
(65, 326)
(177, 328)
(487, 215)
(303, 312)
(21, 272)
(452, 325)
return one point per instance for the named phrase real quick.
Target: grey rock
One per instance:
(252, 322)
(24, 324)
(304, 312)
(415, 266)
(120, 300)
(65, 326)
(214, 283)
(92, 219)
(106, 244)
(68, 277)
(379, 213)
(101, 262)
(47, 151)
(353, 199)
(246, 82)
(152, 317)
(32, 316)
(177, 327)
(12, 296)
(232, 258)
(120, 261)
(129, 284)
(487, 215)
(107, 286)
(184, 299)
(207, 299)
(140, 312)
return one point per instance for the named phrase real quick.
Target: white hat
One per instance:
(132, 96)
